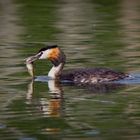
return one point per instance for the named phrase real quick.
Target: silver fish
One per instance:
(30, 66)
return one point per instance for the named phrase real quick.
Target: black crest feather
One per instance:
(48, 47)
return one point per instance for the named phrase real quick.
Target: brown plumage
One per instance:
(92, 75)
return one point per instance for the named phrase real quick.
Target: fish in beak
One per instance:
(29, 63)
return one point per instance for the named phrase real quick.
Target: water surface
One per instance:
(92, 34)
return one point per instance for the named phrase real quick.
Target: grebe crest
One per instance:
(84, 75)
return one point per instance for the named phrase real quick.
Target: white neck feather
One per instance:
(55, 71)
(54, 87)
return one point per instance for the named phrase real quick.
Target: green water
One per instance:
(92, 33)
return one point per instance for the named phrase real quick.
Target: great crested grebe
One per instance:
(84, 75)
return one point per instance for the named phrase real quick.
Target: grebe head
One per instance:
(51, 52)
(55, 55)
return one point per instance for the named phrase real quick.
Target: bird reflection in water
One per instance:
(49, 108)
(53, 107)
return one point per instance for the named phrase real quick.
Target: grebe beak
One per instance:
(33, 58)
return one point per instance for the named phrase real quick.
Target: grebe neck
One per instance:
(56, 71)
(58, 60)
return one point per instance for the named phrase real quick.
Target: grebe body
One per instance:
(84, 75)
(92, 75)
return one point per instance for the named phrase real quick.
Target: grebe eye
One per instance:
(41, 53)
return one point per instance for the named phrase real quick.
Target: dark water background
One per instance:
(92, 33)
